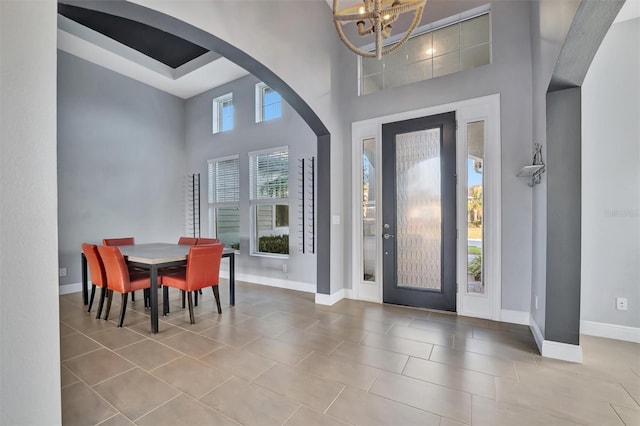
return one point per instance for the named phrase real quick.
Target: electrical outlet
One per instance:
(621, 303)
(62, 272)
(536, 302)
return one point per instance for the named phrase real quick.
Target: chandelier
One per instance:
(375, 17)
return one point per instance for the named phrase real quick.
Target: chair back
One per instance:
(203, 266)
(202, 241)
(96, 267)
(125, 241)
(188, 241)
(116, 269)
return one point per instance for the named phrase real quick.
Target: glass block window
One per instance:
(446, 50)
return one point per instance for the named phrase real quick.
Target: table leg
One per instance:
(232, 279)
(85, 283)
(153, 298)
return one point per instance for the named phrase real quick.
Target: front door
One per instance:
(419, 212)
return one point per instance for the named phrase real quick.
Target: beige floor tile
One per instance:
(148, 354)
(500, 350)
(578, 407)
(486, 412)
(76, 344)
(426, 396)
(452, 318)
(192, 377)
(572, 384)
(336, 332)
(88, 324)
(339, 370)
(264, 327)
(135, 393)
(165, 330)
(279, 351)
(360, 323)
(448, 422)
(306, 417)
(317, 342)
(398, 345)
(238, 362)
(295, 320)
(459, 330)
(231, 336)
(185, 411)
(65, 330)
(632, 386)
(117, 420)
(452, 377)
(311, 391)
(82, 406)
(192, 344)
(67, 377)
(180, 319)
(361, 408)
(473, 361)
(115, 338)
(422, 335)
(630, 416)
(98, 366)
(372, 357)
(249, 404)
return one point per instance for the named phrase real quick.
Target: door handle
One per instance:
(387, 236)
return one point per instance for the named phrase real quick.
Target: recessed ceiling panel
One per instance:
(162, 46)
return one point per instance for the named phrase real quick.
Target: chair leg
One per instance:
(165, 299)
(93, 292)
(133, 296)
(196, 297)
(190, 300)
(103, 293)
(146, 293)
(123, 309)
(184, 294)
(106, 314)
(216, 293)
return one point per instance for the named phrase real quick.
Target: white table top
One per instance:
(156, 253)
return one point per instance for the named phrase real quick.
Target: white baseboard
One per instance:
(330, 299)
(556, 350)
(515, 317)
(70, 288)
(610, 331)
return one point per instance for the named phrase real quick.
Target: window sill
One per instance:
(270, 255)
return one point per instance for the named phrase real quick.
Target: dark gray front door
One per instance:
(419, 212)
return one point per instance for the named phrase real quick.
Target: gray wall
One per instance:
(562, 313)
(29, 329)
(121, 160)
(510, 76)
(611, 179)
(247, 136)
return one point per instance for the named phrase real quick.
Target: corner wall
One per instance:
(29, 329)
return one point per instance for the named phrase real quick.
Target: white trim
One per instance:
(216, 114)
(610, 331)
(70, 288)
(537, 334)
(330, 299)
(515, 317)
(562, 351)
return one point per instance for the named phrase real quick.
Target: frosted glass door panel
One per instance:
(369, 226)
(418, 210)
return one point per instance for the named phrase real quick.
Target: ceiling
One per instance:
(184, 69)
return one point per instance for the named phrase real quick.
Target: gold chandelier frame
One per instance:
(380, 14)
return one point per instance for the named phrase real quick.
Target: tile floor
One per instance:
(276, 358)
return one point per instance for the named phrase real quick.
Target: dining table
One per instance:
(153, 256)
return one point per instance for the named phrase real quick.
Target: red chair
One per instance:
(188, 241)
(126, 241)
(203, 270)
(203, 241)
(119, 279)
(98, 275)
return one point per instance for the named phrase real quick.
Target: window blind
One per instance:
(224, 181)
(269, 175)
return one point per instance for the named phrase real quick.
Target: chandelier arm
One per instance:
(378, 23)
(345, 15)
(350, 45)
(414, 24)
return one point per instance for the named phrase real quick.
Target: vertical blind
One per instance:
(269, 174)
(224, 181)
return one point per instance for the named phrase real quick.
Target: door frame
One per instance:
(483, 108)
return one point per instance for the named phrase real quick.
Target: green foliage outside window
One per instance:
(278, 244)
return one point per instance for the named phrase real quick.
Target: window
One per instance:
(224, 199)
(269, 200)
(456, 47)
(268, 103)
(223, 113)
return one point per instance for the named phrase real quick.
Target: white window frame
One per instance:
(259, 97)
(218, 103)
(254, 202)
(214, 204)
